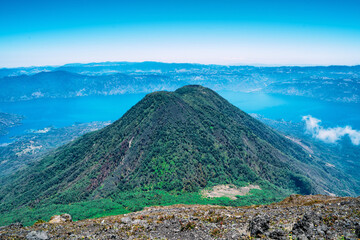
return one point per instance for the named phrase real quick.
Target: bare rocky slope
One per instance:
(296, 217)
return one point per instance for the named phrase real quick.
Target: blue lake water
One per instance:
(41, 113)
(292, 108)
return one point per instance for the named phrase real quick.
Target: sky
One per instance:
(230, 32)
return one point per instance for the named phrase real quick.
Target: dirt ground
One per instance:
(229, 190)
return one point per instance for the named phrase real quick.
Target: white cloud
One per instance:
(330, 135)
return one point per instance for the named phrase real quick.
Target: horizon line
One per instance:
(192, 63)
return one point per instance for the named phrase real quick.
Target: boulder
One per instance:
(37, 235)
(139, 222)
(308, 226)
(61, 218)
(357, 230)
(125, 220)
(259, 225)
(278, 234)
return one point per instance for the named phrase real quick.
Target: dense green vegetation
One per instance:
(174, 143)
(131, 201)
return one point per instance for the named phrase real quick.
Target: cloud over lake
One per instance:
(330, 135)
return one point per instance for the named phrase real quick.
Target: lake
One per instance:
(292, 108)
(41, 113)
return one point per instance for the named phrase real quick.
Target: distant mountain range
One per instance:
(62, 84)
(333, 83)
(177, 142)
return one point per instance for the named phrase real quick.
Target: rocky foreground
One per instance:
(297, 217)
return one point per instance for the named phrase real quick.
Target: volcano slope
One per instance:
(169, 145)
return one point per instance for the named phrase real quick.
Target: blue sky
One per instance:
(276, 32)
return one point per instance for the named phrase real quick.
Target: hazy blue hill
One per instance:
(328, 83)
(133, 66)
(7, 72)
(43, 84)
(63, 84)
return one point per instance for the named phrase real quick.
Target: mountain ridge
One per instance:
(180, 141)
(328, 83)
